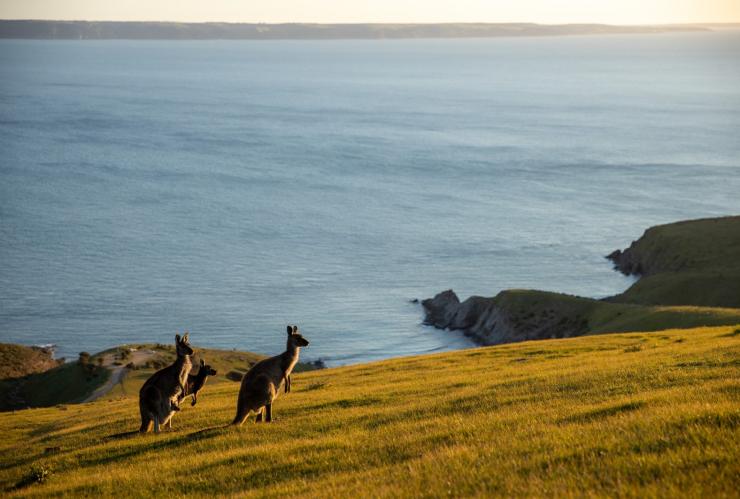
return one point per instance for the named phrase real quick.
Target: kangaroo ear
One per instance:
(177, 338)
(290, 330)
(185, 338)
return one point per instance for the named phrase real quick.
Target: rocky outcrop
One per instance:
(640, 258)
(625, 262)
(506, 318)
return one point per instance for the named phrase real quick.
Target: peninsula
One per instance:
(109, 30)
(689, 277)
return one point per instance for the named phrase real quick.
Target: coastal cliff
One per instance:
(506, 318)
(694, 262)
(689, 277)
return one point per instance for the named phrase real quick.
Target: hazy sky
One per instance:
(334, 11)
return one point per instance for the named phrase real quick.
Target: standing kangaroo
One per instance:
(161, 391)
(196, 381)
(261, 385)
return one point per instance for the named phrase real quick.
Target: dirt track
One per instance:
(118, 373)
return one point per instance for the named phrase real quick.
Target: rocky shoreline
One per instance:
(492, 321)
(673, 263)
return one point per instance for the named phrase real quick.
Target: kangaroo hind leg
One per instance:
(268, 413)
(146, 424)
(241, 416)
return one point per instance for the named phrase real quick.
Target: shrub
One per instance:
(84, 358)
(38, 474)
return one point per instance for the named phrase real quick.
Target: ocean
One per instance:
(230, 188)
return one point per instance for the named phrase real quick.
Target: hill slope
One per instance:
(523, 314)
(626, 414)
(689, 277)
(695, 262)
(17, 361)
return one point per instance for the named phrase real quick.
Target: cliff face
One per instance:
(508, 317)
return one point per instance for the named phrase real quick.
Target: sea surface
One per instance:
(230, 188)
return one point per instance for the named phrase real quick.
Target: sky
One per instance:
(379, 11)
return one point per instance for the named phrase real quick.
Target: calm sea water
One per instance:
(229, 188)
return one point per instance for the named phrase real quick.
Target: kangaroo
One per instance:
(163, 388)
(261, 385)
(196, 382)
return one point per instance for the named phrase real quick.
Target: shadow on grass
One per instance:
(125, 434)
(344, 403)
(161, 444)
(603, 412)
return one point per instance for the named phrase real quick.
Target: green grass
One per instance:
(707, 288)
(703, 244)
(530, 309)
(632, 415)
(694, 262)
(67, 383)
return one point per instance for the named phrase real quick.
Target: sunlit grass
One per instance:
(638, 414)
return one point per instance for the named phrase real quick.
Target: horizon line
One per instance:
(590, 23)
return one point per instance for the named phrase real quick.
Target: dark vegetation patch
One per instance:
(730, 421)
(731, 389)
(38, 473)
(316, 386)
(709, 363)
(70, 382)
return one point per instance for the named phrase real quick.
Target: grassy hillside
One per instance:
(695, 262)
(67, 383)
(30, 377)
(613, 415)
(531, 308)
(17, 360)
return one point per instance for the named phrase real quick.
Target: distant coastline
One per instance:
(111, 30)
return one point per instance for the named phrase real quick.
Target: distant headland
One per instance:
(109, 30)
(689, 276)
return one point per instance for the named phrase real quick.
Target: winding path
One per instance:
(118, 373)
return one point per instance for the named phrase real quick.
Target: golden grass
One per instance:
(611, 415)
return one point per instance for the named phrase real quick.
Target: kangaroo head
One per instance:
(206, 369)
(295, 339)
(183, 345)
